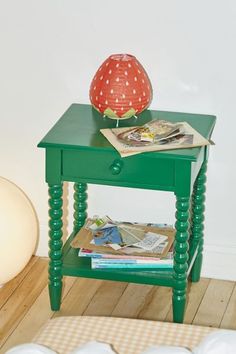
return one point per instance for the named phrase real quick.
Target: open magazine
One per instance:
(103, 235)
(157, 135)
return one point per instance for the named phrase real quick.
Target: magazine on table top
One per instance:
(157, 135)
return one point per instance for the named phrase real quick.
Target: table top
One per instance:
(79, 128)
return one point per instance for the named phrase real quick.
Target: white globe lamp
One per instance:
(18, 230)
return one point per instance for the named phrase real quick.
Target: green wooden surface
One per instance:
(98, 167)
(79, 128)
(77, 152)
(75, 266)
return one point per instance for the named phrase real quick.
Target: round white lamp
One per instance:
(18, 230)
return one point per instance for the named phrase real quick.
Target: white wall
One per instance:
(50, 51)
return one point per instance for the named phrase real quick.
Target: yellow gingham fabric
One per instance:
(127, 336)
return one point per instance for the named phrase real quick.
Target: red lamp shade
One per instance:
(121, 88)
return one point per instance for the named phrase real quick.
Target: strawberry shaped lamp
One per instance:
(120, 88)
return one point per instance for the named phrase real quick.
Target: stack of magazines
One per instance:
(156, 135)
(155, 132)
(112, 244)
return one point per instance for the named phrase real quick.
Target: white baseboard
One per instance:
(219, 262)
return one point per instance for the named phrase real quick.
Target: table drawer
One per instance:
(141, 171)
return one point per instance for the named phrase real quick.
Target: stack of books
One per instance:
(99, 260)
(123, 245)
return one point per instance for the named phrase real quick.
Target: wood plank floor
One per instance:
(24, 303)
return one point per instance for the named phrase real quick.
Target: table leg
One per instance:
(198, 207)
(180, 258)
(55, 245)
(80, 205)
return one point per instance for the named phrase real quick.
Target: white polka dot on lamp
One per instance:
(18, 230)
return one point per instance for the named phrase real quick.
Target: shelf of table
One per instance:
(73, 265)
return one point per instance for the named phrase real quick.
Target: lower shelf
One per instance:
(81, 267)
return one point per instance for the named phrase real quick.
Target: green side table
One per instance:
(77, 152)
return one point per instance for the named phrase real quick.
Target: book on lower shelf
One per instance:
(97, 263)
(124, 245)
(99, 260)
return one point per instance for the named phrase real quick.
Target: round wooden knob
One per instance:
(116, 167)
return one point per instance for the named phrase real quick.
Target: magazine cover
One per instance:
(157, 135)
(109, 235)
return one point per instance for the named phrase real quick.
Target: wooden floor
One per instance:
(24, 303)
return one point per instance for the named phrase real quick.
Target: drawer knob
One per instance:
(116, 167)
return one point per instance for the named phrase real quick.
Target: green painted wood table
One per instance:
(77, 152)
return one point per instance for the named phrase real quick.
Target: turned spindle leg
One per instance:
(180, 258)
(55, 245)
(80, 205)
(198, 207)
